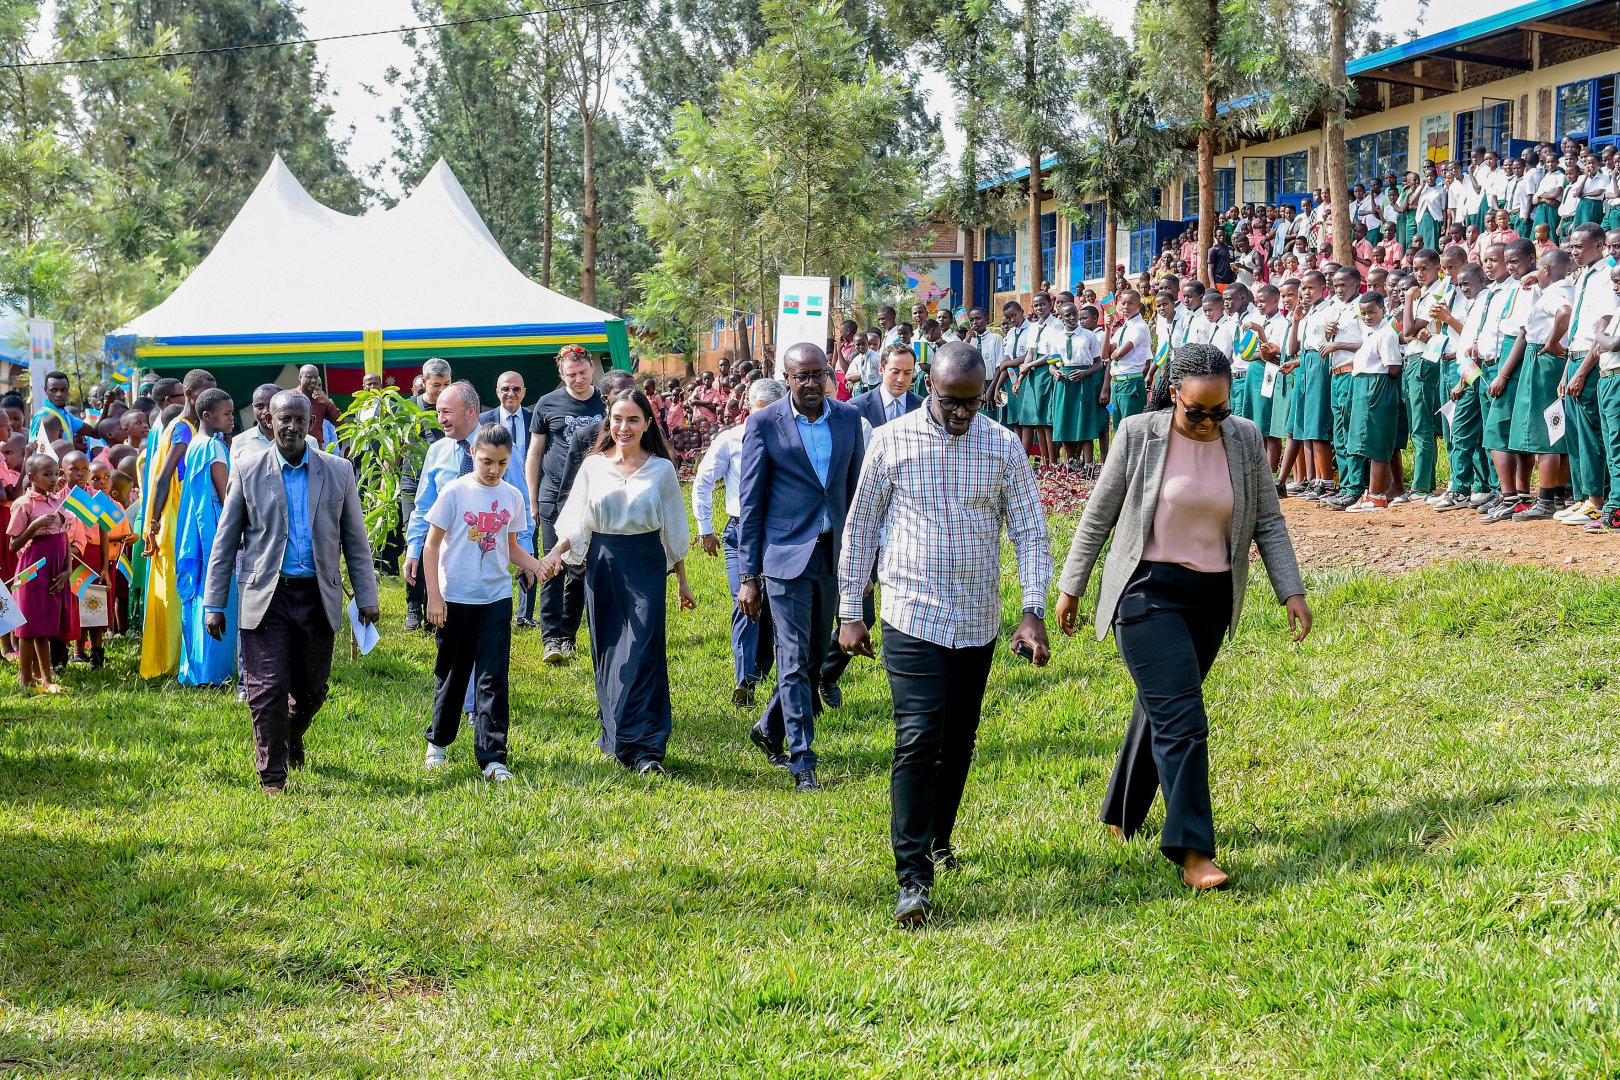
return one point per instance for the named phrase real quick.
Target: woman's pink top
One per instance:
(1192, 524)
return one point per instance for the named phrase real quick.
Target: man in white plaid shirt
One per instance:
(936, 488)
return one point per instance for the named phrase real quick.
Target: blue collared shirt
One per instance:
(298, 558)
(441, 465)
(817, 438)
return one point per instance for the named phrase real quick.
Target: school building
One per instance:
(1531, 74)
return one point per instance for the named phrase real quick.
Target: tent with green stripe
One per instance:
(293, 282)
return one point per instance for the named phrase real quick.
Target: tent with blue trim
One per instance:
(293, 282)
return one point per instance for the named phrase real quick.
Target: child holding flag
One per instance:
(38, 533)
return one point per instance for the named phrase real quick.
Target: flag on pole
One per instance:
(79, 503)
(126, 568)
(108, 512)
(1107, 304)
(81, 577)
(27, 574)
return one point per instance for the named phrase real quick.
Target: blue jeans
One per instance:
(753, 647)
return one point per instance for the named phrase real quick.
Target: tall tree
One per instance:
(1200, 58)
(1031, 112)
(1121, 155)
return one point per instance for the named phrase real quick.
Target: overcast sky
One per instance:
(351, 66)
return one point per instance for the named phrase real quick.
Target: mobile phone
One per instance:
(1022, 649)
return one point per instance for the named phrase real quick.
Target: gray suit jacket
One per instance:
(1127, 494)
(254, 519)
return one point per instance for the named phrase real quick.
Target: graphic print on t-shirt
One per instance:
(484, 526)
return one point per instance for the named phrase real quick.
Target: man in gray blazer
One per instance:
(294, 513)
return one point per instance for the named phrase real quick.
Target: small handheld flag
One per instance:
(1468, 368)
(108, 512)
(81, 577)
(1247, 343)
(79, 503)
(1162, 357)
(126, 568)
(1107, 304)
(922, 350)
(92, 416)
(121, 374)
(27, 574)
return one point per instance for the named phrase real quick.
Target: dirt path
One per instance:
(1412, 537)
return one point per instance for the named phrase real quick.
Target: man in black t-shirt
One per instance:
(1220, 260)
(558, 418)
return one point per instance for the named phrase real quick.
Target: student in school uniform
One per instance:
(1458, 314)
(1341, 333)
(1462, 199)
(1080, 391)
(1038, 387)
(1375, 402)
(1427, 344)
(1541, 369)
(1128, 347)
(1312, 421)
(1245, 322)
(1588, 190)
(1502, 339)
(1583, 434)
(1431, 207)
(1213, 326)
(1262, 407)
(1018, 337)
(1607, 347)
(1549, 197)
(1285, 397)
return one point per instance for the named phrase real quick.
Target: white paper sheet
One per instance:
(365, 636)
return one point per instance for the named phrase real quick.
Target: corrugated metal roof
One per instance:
(1470, 31)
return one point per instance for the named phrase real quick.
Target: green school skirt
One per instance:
(1314, 420)
(1240, 393)
(1545, 215)
(1406, 227)
(1498, 411)
(1282, 405)
(1611, 219)
(1296, 400)
(1129, 397)
(1477, 219)
(1039, 389)
(1421, 394)
(1021, 397)
(1076, 415)
(1429, 229)
(1538, 378)
(1587, 211)
(1375, 407)
(1256, 407)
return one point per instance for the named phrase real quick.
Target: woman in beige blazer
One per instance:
(1185, 490)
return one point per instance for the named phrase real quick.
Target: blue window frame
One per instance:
(1225, 193)
(1001, 251)
(1142, 249)
(1369, 157)
(1267, 180)
(1087, 243)
(1048, 249)
(1572, 110)
(1489, 126)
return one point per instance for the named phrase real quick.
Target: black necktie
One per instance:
(466, 458)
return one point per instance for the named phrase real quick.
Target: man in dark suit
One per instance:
(515, 418)
(892, 399)
(801, 459)
(294, 513)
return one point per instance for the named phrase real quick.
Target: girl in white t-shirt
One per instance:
(472, 543)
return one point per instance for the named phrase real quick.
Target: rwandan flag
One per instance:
(81, 577)
(923, 350)
(121, 374)
(78, 503)
(126, 568)
(1247, 344)
(108, 512)
(1162, 357)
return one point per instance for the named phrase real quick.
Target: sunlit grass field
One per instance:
(1418, 807)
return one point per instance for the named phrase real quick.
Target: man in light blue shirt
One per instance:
(446, 459)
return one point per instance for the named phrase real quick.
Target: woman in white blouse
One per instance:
(625, 522)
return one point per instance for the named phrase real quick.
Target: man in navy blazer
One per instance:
(801, 458)
(892, 399)
(515, 417)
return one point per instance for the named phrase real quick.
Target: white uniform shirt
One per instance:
(1218, 333)
(1312, 329)
(1348, 316)
(1422, 311)
(1462, 197)
(1276, 330)
(1135, 333)
(1610, 361)
(1380, 350)
(1593, 299)
(1549, 301)
(1507, 315)
(1364, 211)
(1077, 347)
(1019, 340)
(993, 348)
(1432, 201)
(1551, 184)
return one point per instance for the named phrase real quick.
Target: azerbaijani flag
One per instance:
(108, 512)
(92, 416)
(790, 305)
(1162, 357)
(1247, 343)
(82, 575)
(1107, 304)
(82, 506)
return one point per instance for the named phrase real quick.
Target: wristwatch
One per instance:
(743, 579)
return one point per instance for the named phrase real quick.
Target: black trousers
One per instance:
(474, 636)
(837, 659)
(286, 662)
(415, 595)
(937, 696)
(1168, 627)
(528, 594)
(562, 599)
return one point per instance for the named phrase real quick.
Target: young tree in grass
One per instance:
(1121, 156)
(1200, 60)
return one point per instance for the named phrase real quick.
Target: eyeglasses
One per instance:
(959, 405)
(1198, 416)
(806, 378)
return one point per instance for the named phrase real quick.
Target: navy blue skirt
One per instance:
(625, 588)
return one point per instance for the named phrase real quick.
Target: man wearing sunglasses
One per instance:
(939, 484)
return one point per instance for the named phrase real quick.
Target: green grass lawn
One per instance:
(1418, 808)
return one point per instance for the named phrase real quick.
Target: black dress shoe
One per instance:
(526, 624)
(743, 694)
(914, 906)
(945, 859)
(806, 781)
(772, 750)
(831, 695)
(295, 756)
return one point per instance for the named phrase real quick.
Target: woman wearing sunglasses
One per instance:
(1185, 491)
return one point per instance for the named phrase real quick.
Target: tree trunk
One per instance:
(969, 301)
(1110, 247)
(1344, 251)
(545, 170)
(1206, 173)
(1036, 270)
(587, 245)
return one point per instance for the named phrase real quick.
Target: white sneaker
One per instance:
(1571, 513)
(436, 756)
(1479, 499)
(496, 773)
